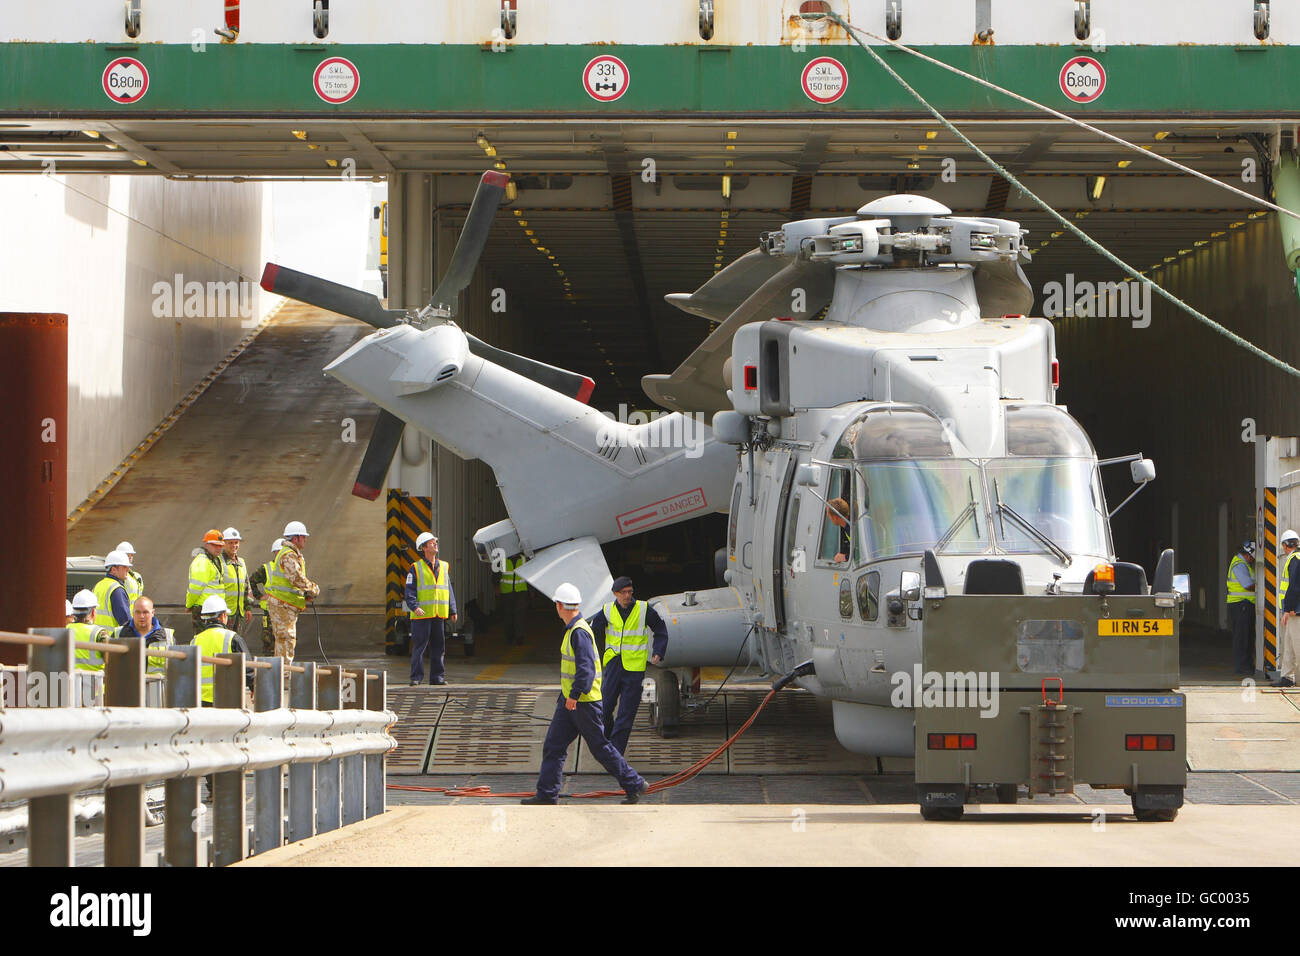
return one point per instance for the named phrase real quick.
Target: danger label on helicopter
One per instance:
(824, 79)
(1083, 79)
(125, 80)
(669, 509)
(606, 78)
(336, 80)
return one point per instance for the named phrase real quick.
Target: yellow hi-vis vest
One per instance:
(154, 665)
(1236, 592)
(278, 584)
(267, 578)
(236, 578)
(629, 638)
(432, 590)
(569, 663)
(510, 581)
(206, 579)
(213, 641)
(1284, 578)
(104, 589)
(134, 585)
(91, 633)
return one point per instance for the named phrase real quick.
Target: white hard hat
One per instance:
(126, 547)
(279, 543)
(231, 534)
(84, 600)
(1289, 535)
(213, 604)
(423, 539)
(295, 527)
(67, 605)
(115, 558)
(568, 595)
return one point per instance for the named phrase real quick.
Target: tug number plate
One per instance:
(1135, 627)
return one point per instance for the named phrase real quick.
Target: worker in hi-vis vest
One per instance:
(288, 589)
(626, 626)
(431, 603)
(512, 592)
(236, 578)
(111, 595)
(134, 581)
(207, 577)
(1288, 601)
(578, 709)
(257, 584)
(215, 638)
(1241, 609)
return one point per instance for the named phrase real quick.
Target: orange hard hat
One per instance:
(213, 537)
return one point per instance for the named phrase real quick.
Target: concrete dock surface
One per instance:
(501, 833)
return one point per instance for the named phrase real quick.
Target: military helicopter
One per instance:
(904, 448)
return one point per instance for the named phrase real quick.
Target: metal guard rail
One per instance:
(327, 726)
(52, 751)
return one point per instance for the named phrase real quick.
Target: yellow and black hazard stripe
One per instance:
(1270, 578)
(408, 517)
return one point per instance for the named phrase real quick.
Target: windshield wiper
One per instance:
(970, 511)
(1004, 508)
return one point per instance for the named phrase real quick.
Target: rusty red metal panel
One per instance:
(34, 482)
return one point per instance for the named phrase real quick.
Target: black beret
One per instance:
(621, 583)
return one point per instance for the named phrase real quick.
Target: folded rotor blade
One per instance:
(324, 294)
(697, 384)
(473, 237)
(379, 455)
(561, 380)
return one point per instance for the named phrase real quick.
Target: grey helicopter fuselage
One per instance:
(929, 424)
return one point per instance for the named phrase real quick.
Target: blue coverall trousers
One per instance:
(584, 720)
(621, 691)
(427, 633)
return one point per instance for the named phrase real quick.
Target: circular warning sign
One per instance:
(1083, 79)
(125, 80)
(606, 78)
(336, 80)
(824, 79)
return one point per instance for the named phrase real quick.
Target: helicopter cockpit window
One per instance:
(837, 521)
(915, 505)
(1045, 431)
(1060, 497)
(893, 433)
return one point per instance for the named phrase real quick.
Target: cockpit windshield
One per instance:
(952, 505)
(1060, 497)
(907, 506)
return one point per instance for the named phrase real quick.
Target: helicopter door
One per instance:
(740, 540)
(774, 485)
(782, 530)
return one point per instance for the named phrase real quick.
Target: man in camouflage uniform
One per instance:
(289, 589)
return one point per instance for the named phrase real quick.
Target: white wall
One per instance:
(323, 228)
(94, 247)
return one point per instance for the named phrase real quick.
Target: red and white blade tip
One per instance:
(365, 491)
(269, 275)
